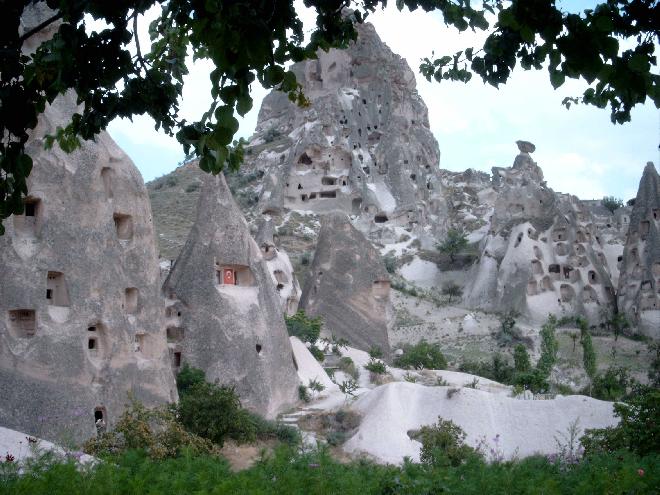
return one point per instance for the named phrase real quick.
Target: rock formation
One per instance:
(543, 254)
(279, 266)
(348, 286)
(226, 315)
(82, 320)
(639, 281)
(363, 146)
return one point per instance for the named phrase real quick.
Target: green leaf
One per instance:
(243, 105)
(557, 78)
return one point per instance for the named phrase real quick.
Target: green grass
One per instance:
(290, 473)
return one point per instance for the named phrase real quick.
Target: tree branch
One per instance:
(39, 27)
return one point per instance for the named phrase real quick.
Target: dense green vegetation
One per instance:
(421, 355)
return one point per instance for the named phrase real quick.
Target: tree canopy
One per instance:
(611, 46)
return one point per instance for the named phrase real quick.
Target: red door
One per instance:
(228, 276)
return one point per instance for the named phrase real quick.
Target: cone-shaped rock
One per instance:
(229, 320)
(349, 286)
(639, 282)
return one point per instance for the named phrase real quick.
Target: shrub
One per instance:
(612, 203)
(549, 346)
(317, 353)
(303, 393)
(421, 355)
(376, 353)
(390, 263)
(452, 289)
(271, 134)
(348, 387)
(347, 365)
(306, 328)
(638, 430)
(454, 243)
(154, 431)
(443, 444)
(305, 258)
(376, 367)
(611, 385)
(588, 352)
(214, 412)
(188, 377)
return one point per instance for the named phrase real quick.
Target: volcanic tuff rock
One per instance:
(639, 282)
(82, 320)
(363, 146)
(349, 286)
(279, 266)
(226, 313)
(543, 253)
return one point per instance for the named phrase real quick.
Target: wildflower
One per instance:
(640, 472)
(31, 439)
(9, 458)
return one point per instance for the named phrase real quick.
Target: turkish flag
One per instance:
(228, 276)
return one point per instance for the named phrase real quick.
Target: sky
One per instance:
(580, 151)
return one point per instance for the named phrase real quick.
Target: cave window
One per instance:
(328, 194)
(328, 181)
(174, 334)
(300, 186)
(123, 226)
(380, 218)
(235, 275)
(27, 224)
(56, 291)
(91, 344)
(553, 268)
(177, 359)
(23, 322)
(303, 197)
(381, 288)
(343, 183)
(364, 101)
(518, 240)
(258, 348)
(312, 195)
(592, 277)
(413, 176)
(280, 276)
(100, 419)
(131, 300)
(645, 227)
(305, 159)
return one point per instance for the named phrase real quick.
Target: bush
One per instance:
(154, 431)
(588, 352)
(549, 347)
(347, 365)
(443, 444)
(421, 355)
(454, 243)
(376, 353)
(376, 367)
(521, 360)
(304, 327)
(303, 393)
(611, 385)
(639, 428)
(390, 263)
(317, 353)
(452, 289)
(188, 377)
(214, 412)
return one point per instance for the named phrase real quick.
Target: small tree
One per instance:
(521, 359)
(452, 289)
(619, 324)
(443, 444)
(549, 346)
(612, 203)
(306, 328)
(454, 243)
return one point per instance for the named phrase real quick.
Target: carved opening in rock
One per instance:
(56, 291)
(328, 194)
(579, 249)
(235, 275)
(312, 195)
(559, 235)
(580, 237)
(582, 262)
(646, 286)
(567, 293)
(648, 301)
(280, 276)
(258, 348)
(532, 288)
(598, 239)
(29, 223)
(554, 270)
(23, 323)
(538, 253)
(303, 197)
(546, 283)
(174, 334)
(429, 186)
(381, 288)
(91, 344)
(328, 181)
(176, 360)
(100, 419)
(537, 268)
(305, 159)
(518, 240)
(131, 295)
(356, 204)
(343, 182)
(589, 294)
(570, 273)
(106, 177)
(380, 218)
(601, 258)
(123, 226)
(593, 277)
(300, 186)
(644, 228)
(561, 249)
(413, 177)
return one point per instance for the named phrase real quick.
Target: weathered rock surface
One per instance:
(543, 252)
(226, 315)
(349, 286)
(363, 146)
(82, 322)
(639, 282)
(279, 266)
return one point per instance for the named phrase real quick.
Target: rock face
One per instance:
(349, 286)
(279, 266)
(226, 313)
(363, 146)
(639, 282)
(82, 318)
(543, 253)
